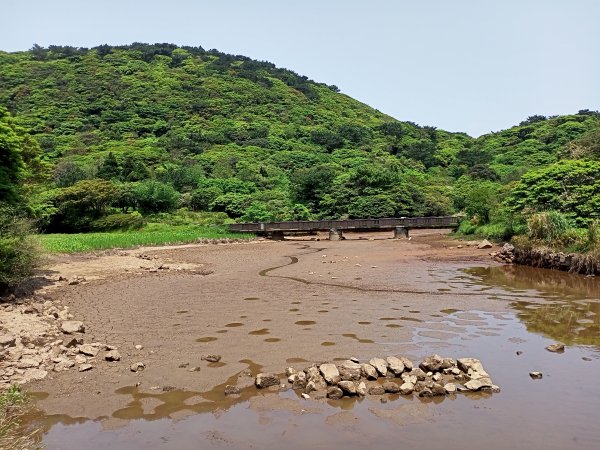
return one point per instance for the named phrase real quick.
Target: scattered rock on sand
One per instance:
(85, 367)
(264, 380)
(72, 326)
(232, 390)
(556, 348)
(88, 349)
(485, 244)
(112, 355)
(137, 367)
(211, 358)
(536, 375)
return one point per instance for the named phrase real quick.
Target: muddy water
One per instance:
(521, 311)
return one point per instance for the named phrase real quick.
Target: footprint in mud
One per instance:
(393, 325)
(362, 341)
(323, 311)
(414, 311)
(206, 339)
(216, 365)
(266, 320)
(183, 311)
(388, 318)
(222, 331)
(260, 332)
(295, 360)
(327, 343)
(305, 322)
(296, 303)
(364, 323)
(293, 309)
(449, 311)
(411, 319)
(234, 324)
(251, 299)
(273, 339)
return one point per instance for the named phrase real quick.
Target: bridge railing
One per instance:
(351, 224)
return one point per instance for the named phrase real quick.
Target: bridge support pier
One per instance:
(277, 236)
(401, 233)
(335, 235)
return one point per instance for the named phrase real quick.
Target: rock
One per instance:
(73, 342)
(72, 326)
(466, 364)
(139, 347)
(495, 388)
(112, 355)
(348, 387)
(408, 365)
(376, 390)
(334, 393)
(305, 396)
(289, 372)
(211, 358)
(380, 365)
(137, 367)
(79, 359)
(431, 363)
(65, 364)
(88, 349)
(368, 371)
(450, 388)
(391, 387)
(85, 367)
(437, 389)
(350, 371)
(417, 372)
(407, 388)
(475, 385)
(425, 392)
(485, 244)
(232, 390)
(33, 374)
(586, 358)
(536, 375)
(27, 363)
(330, 373)
(395, 365)
(437, 376)
(519, 352)
(556, 348)
(264, 380)
(355, 360)
(361, 389)
(7, 339)
(409, 378)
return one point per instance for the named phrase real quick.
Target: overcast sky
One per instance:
(461, 65)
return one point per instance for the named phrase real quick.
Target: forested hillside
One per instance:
(112, 135)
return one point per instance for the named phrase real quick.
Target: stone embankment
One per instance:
(434, 376)
(545, 258)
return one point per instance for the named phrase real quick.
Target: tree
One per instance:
(11, 160)
(153, 197)
(109, 169)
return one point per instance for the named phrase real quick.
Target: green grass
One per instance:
(153, 234)
(12, 405)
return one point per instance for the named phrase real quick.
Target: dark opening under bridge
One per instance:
(400, 226)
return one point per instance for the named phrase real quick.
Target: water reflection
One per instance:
(572, 316)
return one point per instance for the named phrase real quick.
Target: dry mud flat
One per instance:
(261, 307)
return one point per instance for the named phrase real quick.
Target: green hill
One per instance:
(155, 128)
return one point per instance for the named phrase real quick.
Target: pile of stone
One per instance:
(505, 255)
(434, 376)
(38, 336)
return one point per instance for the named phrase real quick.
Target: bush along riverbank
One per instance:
(553, 243)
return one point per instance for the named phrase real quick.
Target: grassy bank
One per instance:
(12, 404)
(153, 234)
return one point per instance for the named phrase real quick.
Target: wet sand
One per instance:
(272, 305)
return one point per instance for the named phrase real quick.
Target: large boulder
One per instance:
(380, 364)
(350, 371)
(395, 365)
(330, 373)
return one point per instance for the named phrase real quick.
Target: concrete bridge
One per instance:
(400, 226)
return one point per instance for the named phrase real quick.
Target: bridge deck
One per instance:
(354, 224)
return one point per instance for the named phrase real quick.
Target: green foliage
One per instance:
(11, 159)
(547, 226)
(18, 253)
(569, 186)
(119, 221)
(153, 196)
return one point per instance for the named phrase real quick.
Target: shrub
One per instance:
(120, 221)
(548, 226)
(18, 252)
(153, 196)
